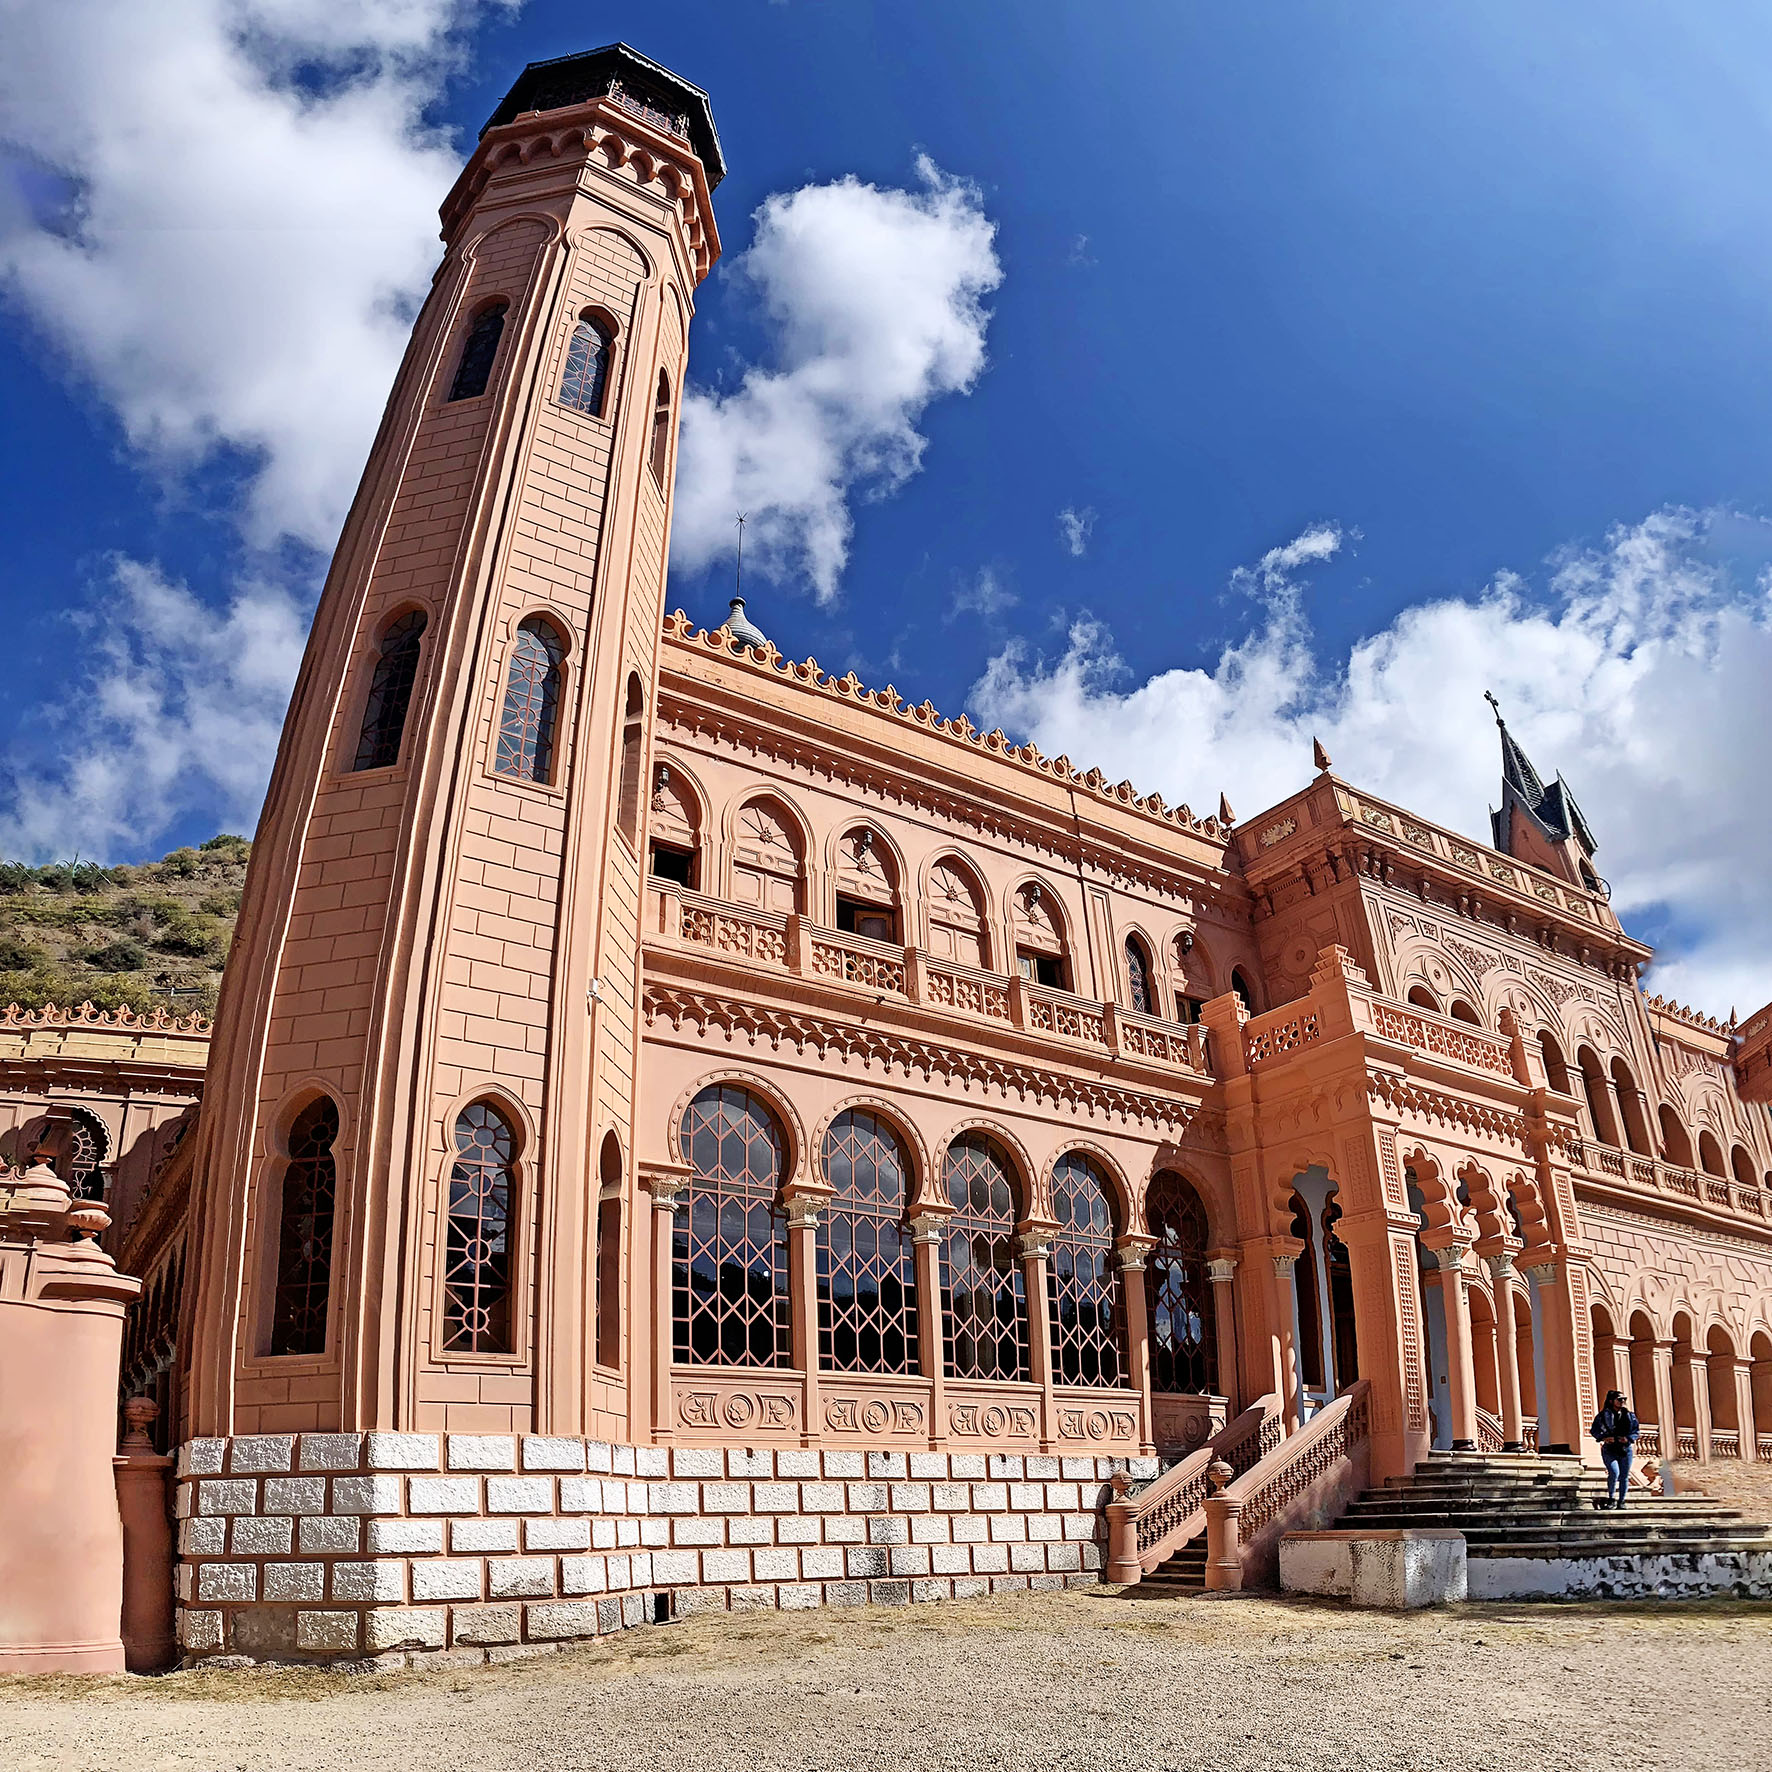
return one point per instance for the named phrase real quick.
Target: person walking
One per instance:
(1615, 1427)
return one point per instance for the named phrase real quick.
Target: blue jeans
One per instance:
(1617, 1470)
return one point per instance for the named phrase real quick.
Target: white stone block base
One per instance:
(1677, 1575)
(1396, 1571)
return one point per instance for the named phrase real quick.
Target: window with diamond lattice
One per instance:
(587, 368)
(390, 693)
(983, 1300)
(1138, 977)
(1082, 1283)
(729, 1265)
(304, 1238)
(531, 705)
(86, 1154)
(474, 370)
(1178, 1291)
(867, 1271)
(477, 1256)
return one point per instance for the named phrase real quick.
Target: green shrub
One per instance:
(228, 840)
(117, 956)
(182, 862)
(17, 955)
(220, 904)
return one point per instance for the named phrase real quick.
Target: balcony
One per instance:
(794, 946)
(1651, 1175)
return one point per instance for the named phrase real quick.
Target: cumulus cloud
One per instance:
(1636, 667)
(221, 214)
(1074, 529)
(876, 301)
(984, 594)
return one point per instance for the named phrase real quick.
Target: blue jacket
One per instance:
(1615, 1424)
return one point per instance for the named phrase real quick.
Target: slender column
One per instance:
(1222, 1270)
(667, 1186)
(1744, 1407)
(926, 1231)
(1507, 1352)
(1690, 1389)
(802, 1211)
(1292, 1379)
(1461, 1375)
(1130, 1252)
(1661, 1364)
(1035, 1249)
(1559, 1400)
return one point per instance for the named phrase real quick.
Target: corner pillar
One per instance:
(1387, 1314)
(1222, 1271)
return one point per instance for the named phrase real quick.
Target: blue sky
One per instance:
(1475, 297)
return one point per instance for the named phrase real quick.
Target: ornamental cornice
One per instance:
(1401, 1096)
(929, 1059)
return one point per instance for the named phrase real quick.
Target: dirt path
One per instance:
(1082, 1680)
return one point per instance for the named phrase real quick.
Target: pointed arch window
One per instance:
(1082, 1284)
(1184, 1354)
(477, 1259)
(304, 1232)
(474, 370)
(983, 1294)
(633, 744)
(1140, 995)
(661, 429)
(532, 704)
(586, 375)
(390, 692)
(867, 1271)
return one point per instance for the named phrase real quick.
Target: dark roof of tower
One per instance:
(1552, 808)
(574, 79)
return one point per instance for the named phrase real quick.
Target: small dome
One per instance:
(742, 629)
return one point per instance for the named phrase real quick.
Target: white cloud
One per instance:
(1074, 529)
(180, 704)
(876, 300)
(1639, 671)
(985, 594)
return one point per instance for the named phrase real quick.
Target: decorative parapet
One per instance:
(959, 730)
(1652, 1175)
(89, 1015)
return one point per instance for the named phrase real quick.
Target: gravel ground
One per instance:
(1081, 1679)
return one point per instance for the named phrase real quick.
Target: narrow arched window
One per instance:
(1138, 978)
(609, 1191)
(1240, 985)
(586, 374)
(304, 1232)
(1178, 1293)
(633, 744)
(474, 370)
(731, 1300)
(1082, 1285)
(87, 1146)
(390, 693)
(661, 429)
(983, 1296)
(477, 1259)
(531, 705)
(867, 1271)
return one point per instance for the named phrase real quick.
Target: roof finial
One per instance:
(1225, 815)
(1489, 697)
(1319, 756)
(738, 572)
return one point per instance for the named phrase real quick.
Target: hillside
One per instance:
(145, 937)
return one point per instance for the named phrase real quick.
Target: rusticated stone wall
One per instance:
(413, 1547)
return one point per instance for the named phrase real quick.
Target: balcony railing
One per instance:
(793, 944)
(1655, 1176)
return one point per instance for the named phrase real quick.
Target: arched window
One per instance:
(983, 1300)
(1462, 1011)
(633, 745)
(87, 1146)
(474, 370)
(1178, 1293)
(1599, 1100)
(304, 1232)
(609, 1192)
(867, 886)
(1630, 1109)
(956, 915)
(1240, 985)
(1676, 1141)
(390, 693)
(1141, 991)
(1422, 998)
(1039, 937)
(477, 1258)
(674, 829)
(1556, 1071)
(1743, 1166)
(586, 375)
(1710, 1153)
(1082, 1286)
(729, 1270)
(867, 1271)
(767, 862)
(661, 429)
(531, 704)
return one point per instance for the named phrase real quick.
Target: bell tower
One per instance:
(417, 1141)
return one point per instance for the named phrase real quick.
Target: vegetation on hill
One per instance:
(146, 937)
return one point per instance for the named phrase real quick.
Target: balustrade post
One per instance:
(913, 975)
(1123, 1563)
(1507, 1351)
(670, 911)
(667, 1183)
(1130, 1252)
(926, 1234)
(796, 943)
(1224, 1517)
(1221, 1270)
(1035, 1249)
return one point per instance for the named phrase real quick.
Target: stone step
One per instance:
(1609, 1547)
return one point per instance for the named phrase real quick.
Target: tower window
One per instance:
(531, 705)
(304, 1233)
(477, 1261)
(390, 693)
(474, 370)
(661, 429)
(586, 375)
(1138, 978)
(633, 745)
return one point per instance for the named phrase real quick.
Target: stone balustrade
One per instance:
(1653, 1175)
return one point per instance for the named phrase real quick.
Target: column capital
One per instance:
(1221, 1269)
(1450, 1256)
(1035, 1245)
(803, 1210)
(1131, 1251)
(666, 1183)
(927, 1227)
(1283, 1264)
(1500, 1264)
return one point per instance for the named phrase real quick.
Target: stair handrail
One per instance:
(1147, 1528)
(1243, 1506)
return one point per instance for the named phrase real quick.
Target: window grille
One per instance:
(587, 369)
(1082, 1285)
(474, 370)
(867, 1271)
(1138, 978)
(1179, 1291)
(730, 1248)
(390, 693)
(477, 1259)
(304, 1238)
(983, 1301)
(86, 1155)
(531, 704)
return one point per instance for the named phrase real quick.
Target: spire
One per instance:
(1516, 767)
(1552, 809)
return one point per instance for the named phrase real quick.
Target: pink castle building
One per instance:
(684, 1130)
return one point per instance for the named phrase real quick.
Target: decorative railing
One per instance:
(1686, 1440)
(1444, 1038)
(1725, 1442)
(746, 935)
(1280, 1033)
(1147, 1036)
(966, 989)
(1490, 1437)
(871, 964)
(668, 122)
(155, 1021)
(1763, 1448)
(1656, 1176)
(1648, 1440)
(1529, 1434)
(1058, 1012)
(1149, 1525)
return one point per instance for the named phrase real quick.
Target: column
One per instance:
(1292, 1379)
(803, 1209)
(1461, 1376)
(1222, 1269)
(1744, 1408)
(1661, 1362)
(667, 1184)
(1560, 1427)
(1691, 1400)
(926, 1231)
(1507, 1353)
(1387, 1306)
(1130, 1253)
(1035, 1249)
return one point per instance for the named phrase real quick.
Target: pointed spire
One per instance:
(1225, 815)
(1516, 766)
(1319, 756)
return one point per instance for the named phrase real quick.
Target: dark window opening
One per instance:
(531, 704)
(477, 1259)
(304, 1241)
(390, 693)
(609, 1283)
(661, 430)
(1240, 985)
(474, 370)
(1187, 1009)
(1140, 996)
(677, 865)
(586, 375)
(633, 743)
(1046, 969)
(874, 922)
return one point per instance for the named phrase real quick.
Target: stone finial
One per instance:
(139, 1415)
(1219, 1474)
(1319, 756)
(1225, 815)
